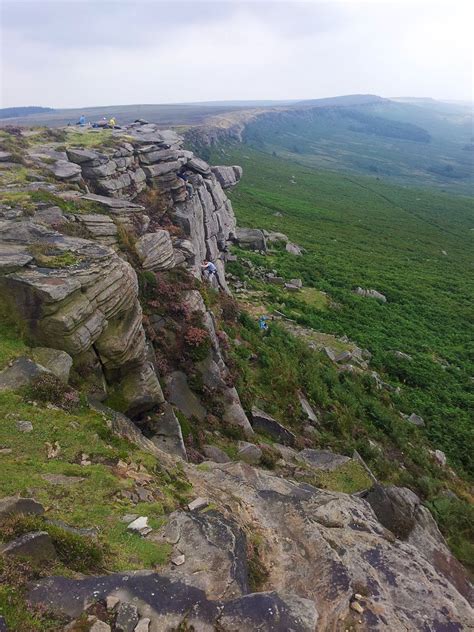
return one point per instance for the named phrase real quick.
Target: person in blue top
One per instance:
(82, 120)
(262, 323)
(209, 270)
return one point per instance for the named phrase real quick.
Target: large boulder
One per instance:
(322, 459)
(264, 423)
(325, 546)
(371, 294)
(56, 361)
(20, 373)
(251, 239)
(227, 176)
(167, 434)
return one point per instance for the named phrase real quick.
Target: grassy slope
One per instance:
(359, 231)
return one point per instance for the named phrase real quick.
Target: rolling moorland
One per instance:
(356, 227)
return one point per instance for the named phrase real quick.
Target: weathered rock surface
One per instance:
(227, 176)
(93, 303)
(249, 453)
(167, 434)
(326, 546)
(181, 396)
(155, 251)
(214, 548)
(213, 453)
(169, 603)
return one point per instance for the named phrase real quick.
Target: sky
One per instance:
(79, 53)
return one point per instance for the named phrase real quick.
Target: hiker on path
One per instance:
(209, 271)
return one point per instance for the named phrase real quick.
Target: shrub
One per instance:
(47, 388)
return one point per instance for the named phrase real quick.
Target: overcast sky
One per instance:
(72, 53)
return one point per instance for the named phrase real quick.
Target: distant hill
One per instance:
(6, 113)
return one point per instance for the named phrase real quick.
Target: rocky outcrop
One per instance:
(89, 302)
(326, 547)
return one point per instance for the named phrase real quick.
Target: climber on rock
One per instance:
(209, 271)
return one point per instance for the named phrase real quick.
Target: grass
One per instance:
(91, 138)
(349, 478)
(93, 502)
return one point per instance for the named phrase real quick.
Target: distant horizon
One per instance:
(212, 102)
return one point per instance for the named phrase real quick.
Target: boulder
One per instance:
(307, 409)
(273, 237)
(56, 361)
(251, 239)
(143, 625)
(99, 626)
(293, 249)
(213, 453)
(440, 457)
(24, 426)
(5, 156)
(181, 396)
(371, 294)
(199, 166)
(276, 280)
(20, 373)
(36, 546)
(227, 176)
(81, 155)
(15, 506)
(395, 507)
(155, 251)
(416, 420)
(322, 459)
(167, 434)
(261, 422)
(64, 170)
(249, 453)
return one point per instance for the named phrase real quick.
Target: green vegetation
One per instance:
(363, 232)
(414, 144)
(91, 138)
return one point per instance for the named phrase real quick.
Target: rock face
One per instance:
(326, 546)
(155, 251)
